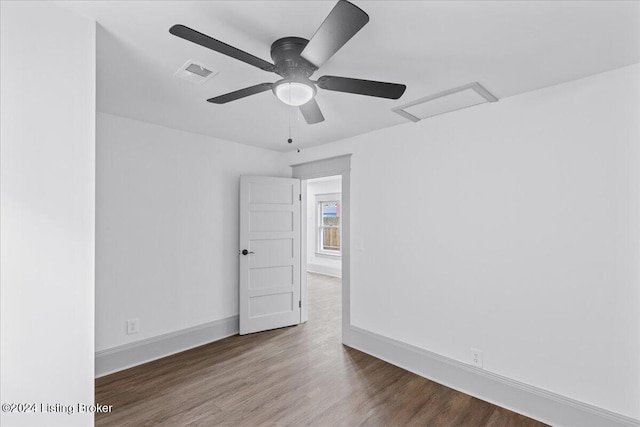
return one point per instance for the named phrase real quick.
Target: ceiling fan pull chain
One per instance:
(297, 113)
(289, 117)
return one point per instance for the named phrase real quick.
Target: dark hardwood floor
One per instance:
(295, 376)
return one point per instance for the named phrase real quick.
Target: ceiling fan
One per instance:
(296, 59)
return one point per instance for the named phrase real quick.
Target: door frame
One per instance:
(332, 166)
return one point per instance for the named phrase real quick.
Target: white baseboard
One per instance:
(533, 402)
(323, 269)
(139, 352)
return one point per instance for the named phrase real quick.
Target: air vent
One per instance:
(445, 102)
(195, 73)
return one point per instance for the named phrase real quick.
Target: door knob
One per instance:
(246, 252)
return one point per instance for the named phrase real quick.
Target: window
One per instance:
(328, 220)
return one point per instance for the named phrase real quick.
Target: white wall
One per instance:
(47, 151)
(324, 264)
(513, 228)
(167, 227)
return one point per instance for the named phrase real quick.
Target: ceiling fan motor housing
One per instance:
(285, 53)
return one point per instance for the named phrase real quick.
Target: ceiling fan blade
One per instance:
(362, 87)
(213, 44)
(311, 112)
(242, 93)
(342, 23)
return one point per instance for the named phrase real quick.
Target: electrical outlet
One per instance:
(476, 357)
(133, 326)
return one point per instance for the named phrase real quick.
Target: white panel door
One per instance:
(269, 253)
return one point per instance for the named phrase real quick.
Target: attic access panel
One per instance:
(445, 102)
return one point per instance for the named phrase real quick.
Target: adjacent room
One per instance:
(376, 213)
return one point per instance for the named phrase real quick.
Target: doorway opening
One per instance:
(323, 203)
(340, 165)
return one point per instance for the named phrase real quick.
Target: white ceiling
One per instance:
(509, 47)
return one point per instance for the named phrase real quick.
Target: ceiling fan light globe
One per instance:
(294, 93)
